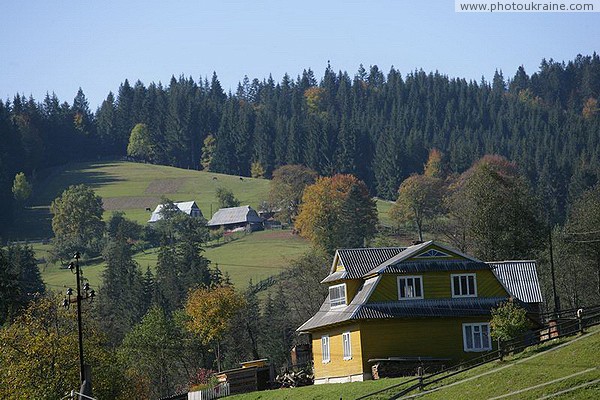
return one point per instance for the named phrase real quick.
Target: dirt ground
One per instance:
(165, 186)
(131, 202)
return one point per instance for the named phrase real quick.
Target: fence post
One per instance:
(420, 373)
(580, 319)
(500, 350)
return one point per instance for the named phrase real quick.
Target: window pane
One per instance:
(477, 337)
(418, 287)
(410, 287)
(471, 285)
(337, 295)
(402, 283)
(469, 337)
(456, 285)
(346, 345)
(325, 347)
(463, 285)
(485, 336)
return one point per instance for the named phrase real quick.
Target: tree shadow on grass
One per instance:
(72, 174)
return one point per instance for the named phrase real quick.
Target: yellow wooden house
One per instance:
(423, 302)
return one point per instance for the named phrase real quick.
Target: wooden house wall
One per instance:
(419, 337)
(352, 286)
(437, 285)
(337, 366)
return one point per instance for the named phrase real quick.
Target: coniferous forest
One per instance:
(378, 126)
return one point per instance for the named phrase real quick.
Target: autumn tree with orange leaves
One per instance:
(337, 212)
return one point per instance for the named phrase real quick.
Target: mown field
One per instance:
(565, 369)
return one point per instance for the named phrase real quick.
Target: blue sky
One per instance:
(59, 46)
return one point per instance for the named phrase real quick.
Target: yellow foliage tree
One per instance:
(419, 198)
(337, 212)
(210, 312)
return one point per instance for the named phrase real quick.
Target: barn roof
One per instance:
(185, 206)
(519, 278)
(234, 215)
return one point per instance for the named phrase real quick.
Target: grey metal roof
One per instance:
(359, 309)
(336, 276)
(458, 307)
(520, 279)
(329, 316)
(435, 265)
(185, 206)
(234, 215)
(357, 262)
(413, 251)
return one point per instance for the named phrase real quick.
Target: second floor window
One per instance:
(410, 287)
(464, 285)
(337, 295)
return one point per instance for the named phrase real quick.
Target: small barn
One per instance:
(236, 217)
(188, 207)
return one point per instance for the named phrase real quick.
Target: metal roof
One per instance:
(329, 316)
(413, 251)
(458, 307)
(336, 276)
(519, 278)
(185, 206)
(360, 310)
(357, 262)
(234, 215)
(435, 265)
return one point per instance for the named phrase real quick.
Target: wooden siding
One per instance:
(337, 366)
(437, 285)
(338, 264)
(352, 286)
(425, 337)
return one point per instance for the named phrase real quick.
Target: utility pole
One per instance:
(86, 385)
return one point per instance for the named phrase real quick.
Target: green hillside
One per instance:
(247, 257)
(565, 369)
(133, 187)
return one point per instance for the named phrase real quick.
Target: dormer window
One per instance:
(337, 295)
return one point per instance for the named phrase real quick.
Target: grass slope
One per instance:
(133, 187)
(255, 256)
(568, 369)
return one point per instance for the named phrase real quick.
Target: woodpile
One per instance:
(294, 379)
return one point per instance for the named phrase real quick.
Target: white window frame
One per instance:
(472, 327)
(346, 346)
(325, 349)
(338, 303)
(406, 278)
(452, 276)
